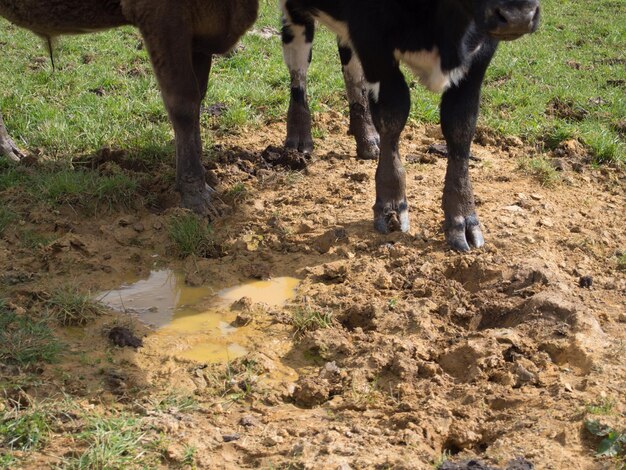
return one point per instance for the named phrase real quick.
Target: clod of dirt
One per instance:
(243, 319)
(466, 361)
(567, 110)
(361, 315)
(215, 109)
(335, 272)
(571, 149)
(325, 242)
(287, 158)
(259, 271)
(585, 282)
(551, 305)
(517, 464)
(248, 421)
(359, 177)
(243, 305)
(327, 343)
(311, 391)
(123, 337)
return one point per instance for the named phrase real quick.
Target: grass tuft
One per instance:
(192, 235)
(111, 442)
(23, 430)
(70, 307)
(308, 319)
(85, 189)
(541, 169)
(603, 407)
(25, 341)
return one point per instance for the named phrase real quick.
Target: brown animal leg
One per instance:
(170, 46)
(8, 149)
(202, 68)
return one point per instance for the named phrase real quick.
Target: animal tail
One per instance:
(50, 43)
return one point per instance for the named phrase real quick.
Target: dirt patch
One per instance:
(393, 343)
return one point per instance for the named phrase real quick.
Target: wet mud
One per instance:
(390, 351)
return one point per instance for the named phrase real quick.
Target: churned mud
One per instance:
(368, 351)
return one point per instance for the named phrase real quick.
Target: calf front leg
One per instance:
(361, 125)
(390, 102)
(297, 36)
(182, 75)
(8, 149)
(459, 112)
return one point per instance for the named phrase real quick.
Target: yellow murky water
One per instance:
(195, 322)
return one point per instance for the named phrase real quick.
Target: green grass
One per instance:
(191, 235)
(621, 262)
(576, 57)
(309, 319)
(612, 443)
(23, 430)
(24, 340)
(70, 307)
(7, 217)
(541, 169)
(79, 188)
(602, 407)
(112, 442)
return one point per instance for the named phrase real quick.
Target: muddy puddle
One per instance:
(195, 323)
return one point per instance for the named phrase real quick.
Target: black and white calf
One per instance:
(448, 44)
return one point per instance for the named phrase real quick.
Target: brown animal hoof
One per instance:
(201, 201)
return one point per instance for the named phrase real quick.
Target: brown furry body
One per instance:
(181, 37)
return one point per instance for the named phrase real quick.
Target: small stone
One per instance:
(138, 227)
(231, 437)
(271, 441)
(243, 319)
(585, 282)
(536, 197)
(514, 208)
(247, 421)
(622, 318)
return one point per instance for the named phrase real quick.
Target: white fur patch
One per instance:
(338, 27)
(426, 65)
(296, 55)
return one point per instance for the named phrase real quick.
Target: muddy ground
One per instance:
(494, 355)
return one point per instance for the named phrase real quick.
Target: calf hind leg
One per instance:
(182, 76)
(361, 126)
(8, 149)
(297, 35)
(390, 103)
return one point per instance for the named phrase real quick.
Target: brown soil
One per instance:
(492, 355)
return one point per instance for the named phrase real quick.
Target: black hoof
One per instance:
(200, 201)
(391, 217)
(302, 146)
(463, 233)
(368, 149)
